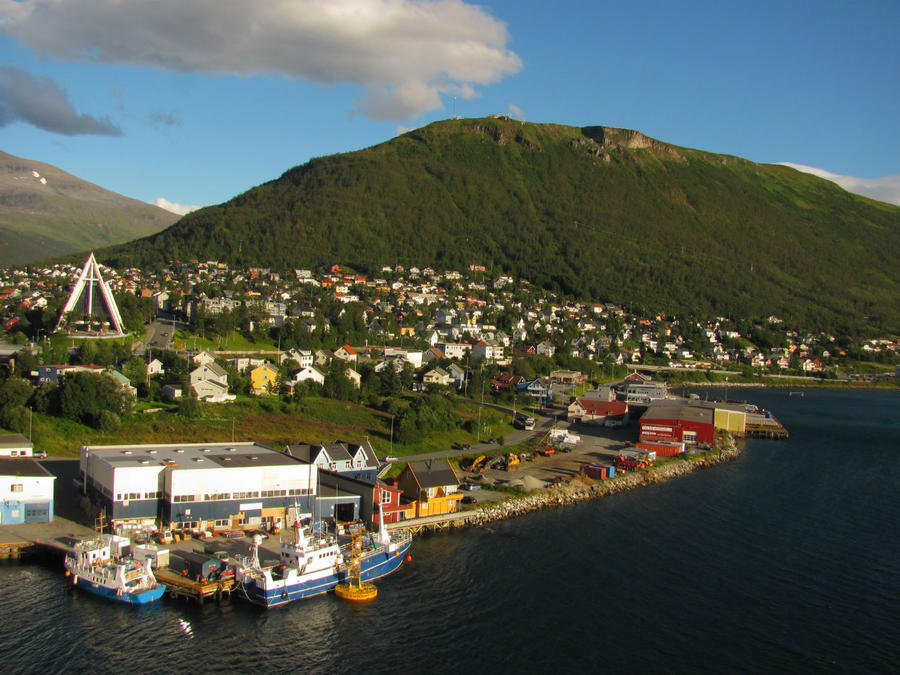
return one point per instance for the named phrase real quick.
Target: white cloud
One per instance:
(403, 53)
(885, 189)
(44, 104)
(180, 209)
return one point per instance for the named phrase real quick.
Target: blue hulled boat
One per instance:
(311, 565)
(93, 568)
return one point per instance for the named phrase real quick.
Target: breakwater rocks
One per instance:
(581, 489)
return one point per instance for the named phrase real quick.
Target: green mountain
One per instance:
(46, 212)
(600, 213)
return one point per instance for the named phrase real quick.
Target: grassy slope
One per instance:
(320, 420)
(39, 221)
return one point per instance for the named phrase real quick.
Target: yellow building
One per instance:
(263, 379)
(432, 486)
(731, 418)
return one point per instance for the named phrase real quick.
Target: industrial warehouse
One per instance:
(203, 486)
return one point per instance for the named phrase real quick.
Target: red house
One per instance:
(391, 505)
(593, 410)
(688, 421)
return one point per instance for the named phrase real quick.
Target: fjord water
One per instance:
(786, 560)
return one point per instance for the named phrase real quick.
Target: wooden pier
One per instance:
(15, 549)
(431, 523)
(179, 586)
(773, 431)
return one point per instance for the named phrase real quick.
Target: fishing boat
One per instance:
(312, 564)
(98, 566)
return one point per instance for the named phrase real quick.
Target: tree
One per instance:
(189, 404)
(135, 369)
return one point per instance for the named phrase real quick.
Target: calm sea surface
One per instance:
(787, 560)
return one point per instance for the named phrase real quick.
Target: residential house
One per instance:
(155, 367)
(457, 375)
(436, 376)
(346, 353)
(210, 381)
(432, 485)
(354, 377)
(309, 373)
(392, 505)
(203, 358)
(506, 382)
(545, 348)
(586, 410)
(539, 389)
(356, 460)
(488, 350)
(264, 379)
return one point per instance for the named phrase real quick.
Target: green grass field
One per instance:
(267, 421)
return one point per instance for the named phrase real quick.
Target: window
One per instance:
(17, 487)
(386, 497)
(183, 498)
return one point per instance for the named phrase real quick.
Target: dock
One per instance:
(767, 427)
(432, 523)
(178, 586)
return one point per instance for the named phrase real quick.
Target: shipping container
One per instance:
(196, 565)
(610, 471)
(662, 448)
(595, 471)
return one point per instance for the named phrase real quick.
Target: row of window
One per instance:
(128, 496)
(212, 497)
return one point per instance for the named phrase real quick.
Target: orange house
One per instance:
(432, 486)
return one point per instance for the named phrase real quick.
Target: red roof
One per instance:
(603, 408)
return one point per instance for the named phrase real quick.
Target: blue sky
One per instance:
(195, 102)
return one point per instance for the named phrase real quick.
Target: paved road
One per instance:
(542, 426)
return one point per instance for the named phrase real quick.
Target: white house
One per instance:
(155, 367)
(210, 381)
(15, 445)
(308, 373)
(26, 491)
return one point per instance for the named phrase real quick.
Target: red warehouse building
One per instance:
(678, 421)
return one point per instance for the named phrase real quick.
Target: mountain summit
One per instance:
(600, 213)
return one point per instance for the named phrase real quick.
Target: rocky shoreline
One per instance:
(582, 489)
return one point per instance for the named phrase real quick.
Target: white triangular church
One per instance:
(90, 280)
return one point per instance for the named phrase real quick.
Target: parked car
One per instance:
(469, 499)
(469, 486)
(40, 453)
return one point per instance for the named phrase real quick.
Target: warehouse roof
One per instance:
(189, 455)
(23, 466)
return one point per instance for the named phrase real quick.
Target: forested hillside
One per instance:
(604, 214)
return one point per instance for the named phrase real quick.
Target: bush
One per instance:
(108, 421)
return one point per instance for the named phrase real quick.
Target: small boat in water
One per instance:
(312, 564)
(98, 566)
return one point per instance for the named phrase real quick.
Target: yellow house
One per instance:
(263, 379)
(432, 486)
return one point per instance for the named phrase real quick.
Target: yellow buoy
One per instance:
(354, 592)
